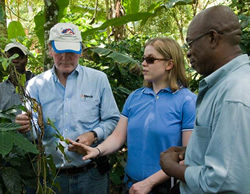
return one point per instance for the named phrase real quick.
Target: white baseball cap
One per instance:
(65, 37)
(17, 45)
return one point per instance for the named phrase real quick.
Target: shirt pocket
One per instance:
(87, 109)
(200, 140)
(203, 131)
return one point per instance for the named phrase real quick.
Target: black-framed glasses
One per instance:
(189, 43)
(151, 60)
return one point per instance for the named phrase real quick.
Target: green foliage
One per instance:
(9, 136)
(118, 161)
(120, 61)
(12, 180)
(173, 3)
(63, 4)
(15, 153)
(242, 10)
(132, 6)
(116, 56)
(119, 22)
(7, 61)
(58, 135)
(17, 171)
(15, 29)
(1, 13)
(39, 20)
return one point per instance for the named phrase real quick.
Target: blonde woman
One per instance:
(154, 118)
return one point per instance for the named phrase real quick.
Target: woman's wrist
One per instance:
(99, 152)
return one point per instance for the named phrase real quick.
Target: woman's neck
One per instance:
(158, 86)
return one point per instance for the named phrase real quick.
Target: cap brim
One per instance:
(67, 47)
(12, 45)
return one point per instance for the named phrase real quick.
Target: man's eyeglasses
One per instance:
(189, 43)
(151, 60)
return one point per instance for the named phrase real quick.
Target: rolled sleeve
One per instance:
(192, 178)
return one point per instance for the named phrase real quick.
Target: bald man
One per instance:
(217, 158)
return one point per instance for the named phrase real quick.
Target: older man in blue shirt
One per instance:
(80, 103)
(218, 154)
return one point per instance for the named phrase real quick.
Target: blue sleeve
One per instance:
(109, 112)
(188, 112)
(125, 110)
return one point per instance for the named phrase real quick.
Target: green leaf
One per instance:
(39, 28)
(15, 29)
(24, 143)
(1, 13)
(4, 127)
(119, 22)
(63, 4)
(10, 112)
(12, 180)
(6, 143)
(173, 3)
(133, 6)
(23, 80)
(153, 6)
(51, 164)
(122, 71)
(102, 51)
(5, 63)
(124, 90)
(61, 148)
(116, 56)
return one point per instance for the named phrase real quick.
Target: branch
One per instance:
(11, 11)
(95, 13)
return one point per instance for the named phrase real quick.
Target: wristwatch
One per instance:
(95, 135)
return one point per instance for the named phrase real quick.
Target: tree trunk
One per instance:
(3, 25)
(51, 10)
(119, 32)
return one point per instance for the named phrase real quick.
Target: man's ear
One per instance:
(214, 38)
(50, 50)
(170, 64)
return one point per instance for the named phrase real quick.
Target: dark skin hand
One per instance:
(172, 162)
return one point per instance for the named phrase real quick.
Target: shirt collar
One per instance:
(75, 72)
(225, 70)
(147, 90)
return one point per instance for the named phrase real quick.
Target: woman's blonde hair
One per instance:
(170, 49)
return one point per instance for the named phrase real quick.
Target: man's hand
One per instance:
(86, 138)
(170, 162)
(24, 121)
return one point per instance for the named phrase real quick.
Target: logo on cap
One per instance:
(68, 31)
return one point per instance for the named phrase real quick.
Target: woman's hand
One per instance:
(141, 187)
(86, 151)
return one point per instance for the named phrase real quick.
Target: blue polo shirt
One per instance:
(155, 123)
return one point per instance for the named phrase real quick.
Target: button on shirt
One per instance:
(85, 104)
(155, 123)
(218, 152)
